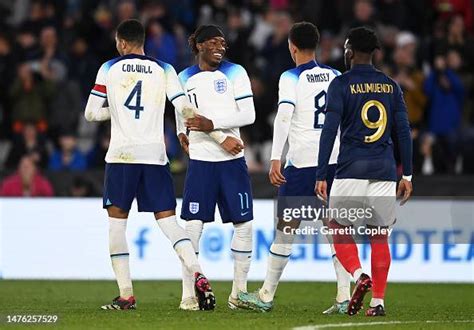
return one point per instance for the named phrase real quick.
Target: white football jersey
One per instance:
(305, 87)
(136, 87)
(215, 95)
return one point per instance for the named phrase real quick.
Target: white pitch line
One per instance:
(363, 324)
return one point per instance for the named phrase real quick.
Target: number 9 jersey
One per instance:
(368, 107)
(136, 87)
(305, 89)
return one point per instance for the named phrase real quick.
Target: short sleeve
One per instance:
(173, 85)
(100, 86)
(335, 97)
(287, 88)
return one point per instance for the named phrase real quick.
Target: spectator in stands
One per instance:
(160, 43)
(29, 143)
(7, 74)
(275, 52)
(237, 36)
(96, 156)
(29, 97)
(67, 157)
(411, 80)
(51, 59)
(83, 66)
(27, 182)
(444, 88)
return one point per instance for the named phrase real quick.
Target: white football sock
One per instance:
(181, 243)
(357, 273)
(278, 257)
(374, 302)
(343, 279)
(119, 255)
(194, 231)
(241, 247)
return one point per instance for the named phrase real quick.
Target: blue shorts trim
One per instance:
(151, 185)
(225, 184)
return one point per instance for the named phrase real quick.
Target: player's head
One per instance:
(208, 44)
(130, 36)
(360, 43)
(303, 37)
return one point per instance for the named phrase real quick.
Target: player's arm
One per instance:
(184, 110)
(281, 126)
(405, 144)
(245, 114)
(95, 110)
(334, 109)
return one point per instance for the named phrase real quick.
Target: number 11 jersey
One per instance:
(135, 87)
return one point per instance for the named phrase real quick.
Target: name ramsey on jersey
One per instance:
(305, 87)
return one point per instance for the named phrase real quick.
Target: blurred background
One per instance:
(50, 51)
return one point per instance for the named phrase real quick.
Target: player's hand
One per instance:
(199, 123)
(232, 145)
(275, 176)
(184, 142)
(405, 189)
(321, 190)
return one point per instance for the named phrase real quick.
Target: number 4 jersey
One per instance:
(305, 89)
(136, 87)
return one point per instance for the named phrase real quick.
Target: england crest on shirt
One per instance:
(220, 85)
(194, 207)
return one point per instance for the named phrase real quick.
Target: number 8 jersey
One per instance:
(305, 88)
(136, 87)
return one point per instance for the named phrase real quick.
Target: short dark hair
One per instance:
(132, 31)
(363, 39)
(304, 35)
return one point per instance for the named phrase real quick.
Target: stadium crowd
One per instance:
(50, 51)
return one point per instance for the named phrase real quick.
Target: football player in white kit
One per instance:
(300, 118)
(217, 172)
(131, 90)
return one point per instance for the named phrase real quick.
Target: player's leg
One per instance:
(382, 195)
(199, 200)
(156, 194)
(297, 184)
(343, 278)
(235, 204)
(188, 299)
(344, 191)
(119, 190)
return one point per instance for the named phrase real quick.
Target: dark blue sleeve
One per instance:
(456, 85)
(334, 108)
(402, 127)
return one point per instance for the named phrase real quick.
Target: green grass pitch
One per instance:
(409, 306)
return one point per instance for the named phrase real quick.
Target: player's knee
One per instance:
(243, 231)
(116, 212)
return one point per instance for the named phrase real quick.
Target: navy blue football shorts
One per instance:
(151, 185)
(225, 184)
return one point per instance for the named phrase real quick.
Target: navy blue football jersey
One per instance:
(366, 105)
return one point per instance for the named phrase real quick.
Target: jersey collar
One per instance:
(363, 67)
(308, 65)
